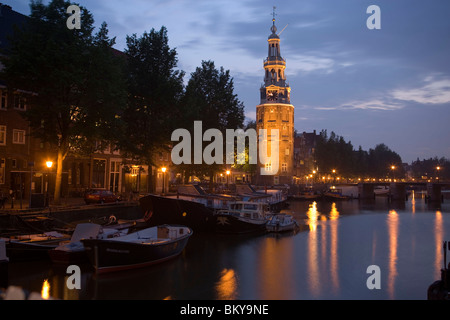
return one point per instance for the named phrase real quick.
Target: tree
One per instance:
(154, 91)
(248, 168)
(381, 159)
(73, 78)
(334, 153)
(210, 98)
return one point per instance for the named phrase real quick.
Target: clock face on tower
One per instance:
(272, 95)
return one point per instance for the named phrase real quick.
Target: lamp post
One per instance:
(49, 165)
(163, 169)
(437, 169)
(393, 172)
(228, 173)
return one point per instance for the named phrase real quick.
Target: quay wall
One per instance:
(63, 217)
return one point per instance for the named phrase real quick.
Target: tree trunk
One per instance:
(58, 180)
(211, 181)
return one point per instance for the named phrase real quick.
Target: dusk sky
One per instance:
(387, 86)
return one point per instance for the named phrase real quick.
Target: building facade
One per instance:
(304, 155)
(275, 111)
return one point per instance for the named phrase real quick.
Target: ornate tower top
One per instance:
(274, 28)
(275, 88)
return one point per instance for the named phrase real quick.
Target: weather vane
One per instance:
(273, 13)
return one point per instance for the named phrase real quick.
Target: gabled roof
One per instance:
(8, 19)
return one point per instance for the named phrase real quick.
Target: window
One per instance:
(114, 174)
(3, 100)
(115, 149)
(19, 102)
(269, 167)
(69, 176)
(284, 167)
(2, 135)
(98, 174)
(19, 136)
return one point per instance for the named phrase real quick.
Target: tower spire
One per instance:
(273, 28)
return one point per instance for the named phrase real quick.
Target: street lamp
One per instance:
(49, 165)
(393, 172)
(438, 168)
(228, 173)
(163, 169)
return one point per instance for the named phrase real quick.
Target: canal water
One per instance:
(328, 258)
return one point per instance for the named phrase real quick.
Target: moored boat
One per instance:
(335, 194)
(164, 210)
(242, 217)
(72, 252)
(281, 222)
(138, 249)
(33, 247)
(306, 196)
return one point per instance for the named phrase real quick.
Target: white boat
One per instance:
(242, 217)
(70, 252)
(281, 222)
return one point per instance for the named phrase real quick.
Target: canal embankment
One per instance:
(60, 217)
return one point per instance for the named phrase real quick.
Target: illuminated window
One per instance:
(284, 166)
(114, 174)
(269, 166)
(2, 135)
(18, 136)
(19, 102)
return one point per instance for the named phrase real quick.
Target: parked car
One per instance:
(100, 196)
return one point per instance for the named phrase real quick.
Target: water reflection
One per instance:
(313, 216)
(45, 292)
(312, 256)
(326, 260)
(325, 242)
(392, 224)
(226, 287)
(334, 266)
(439, 236)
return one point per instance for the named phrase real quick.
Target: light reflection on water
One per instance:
(326, 259)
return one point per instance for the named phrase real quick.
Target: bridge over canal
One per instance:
(397, 190)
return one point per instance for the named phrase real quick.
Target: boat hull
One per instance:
(162, 210)
(280, 227)
(26, 251)
(110, 256)
(233, 224)
(68, 257)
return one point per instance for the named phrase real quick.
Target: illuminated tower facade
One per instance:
(275, 111)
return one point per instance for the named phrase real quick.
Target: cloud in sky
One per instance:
(435, 91)
(342, 75)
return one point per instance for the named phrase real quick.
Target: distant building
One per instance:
(276, 112)
(304, 155)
